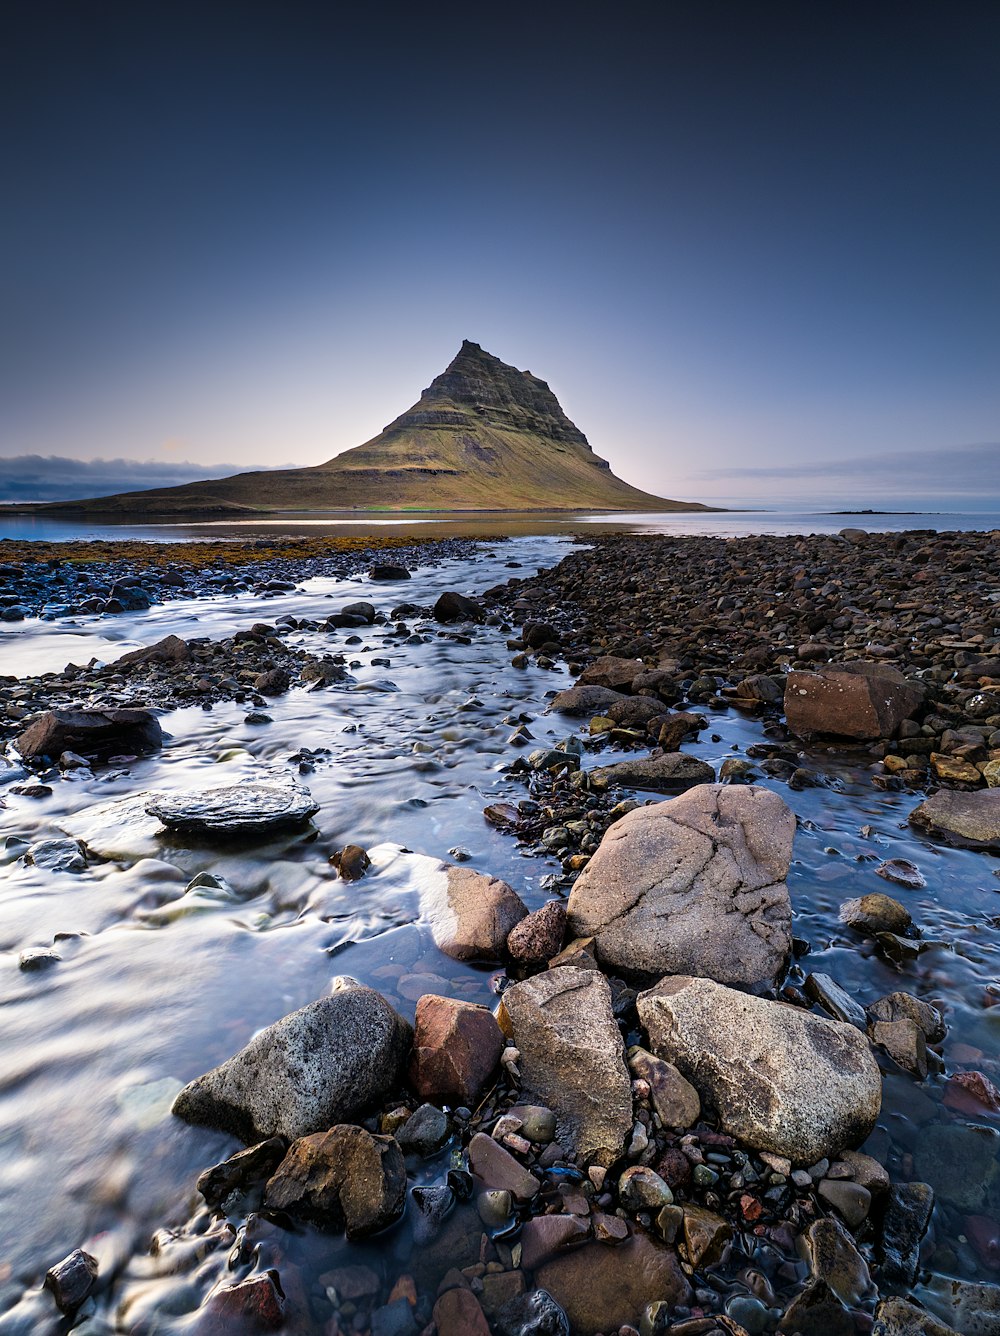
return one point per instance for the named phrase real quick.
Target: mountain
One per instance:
(482, 436)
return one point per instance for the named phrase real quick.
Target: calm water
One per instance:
(730, 524)
(155, 987)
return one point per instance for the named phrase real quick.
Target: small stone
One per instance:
(352, 862)
(497, 1168)
(904, 1042)
(834, 1258)
(458, 1313)
(533, 1314)
(36, 959)
(72, 1279)
(424, 1132)
(972, 1093)
(902, 872)
(674, 1098)
(817, 1312)
(899, 1317)
(904, 1006)
(256, 1301)
(705, 1236)
(642, 1189)
(835, 1000)
(874, 913)
(850, 1200)
(495, 1207)
(907, 1217)
(431, 1208)
(539, 937)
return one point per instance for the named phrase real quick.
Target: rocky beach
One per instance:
(524, 937)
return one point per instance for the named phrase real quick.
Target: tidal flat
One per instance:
(594, 936)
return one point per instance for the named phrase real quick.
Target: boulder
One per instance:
(672, 772)
(471, 914)
(572, 1058)
(72, 1279)
(899, 1317)
(585, 700)
(781, 1079)
(91, 733)
(324, 1064)
(456, 1048)
(272, 682)
(236, 810)
(611, 671)
(345, 1178)
(850, 700)
(388, 572)
(171, 649)
(693, 886)
(455, 607)
(602, 1289)
(969, 820)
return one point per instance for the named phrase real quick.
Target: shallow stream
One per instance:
(155, 986)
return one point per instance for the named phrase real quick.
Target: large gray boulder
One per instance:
(471, 913)
(572, 1058)
(970, 820)
(324, 1064)
(850, 700)
(693, 886)
(781, 1079)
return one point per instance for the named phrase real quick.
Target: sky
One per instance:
(753, 247)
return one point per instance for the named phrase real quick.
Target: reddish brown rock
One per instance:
(972, 1093)
(497, 1168)
(602, 1288)
(456, 1048)
(457, 1313)
(257, 1300)
(850, 700)
(539, 937)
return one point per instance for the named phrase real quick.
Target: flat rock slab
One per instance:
(693, 886)
(970, 820)
(324, 1064)
(586, 700)
(780, 1078)
(601, 1288)
(237, 809)
(573, 1059)
(850, 700)
(673, 772)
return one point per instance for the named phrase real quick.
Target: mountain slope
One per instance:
(483, 436)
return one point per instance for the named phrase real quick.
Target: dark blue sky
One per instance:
(731, 235)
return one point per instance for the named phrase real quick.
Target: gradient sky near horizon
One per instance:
(754, 247)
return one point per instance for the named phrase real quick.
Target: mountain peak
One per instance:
(499, 396)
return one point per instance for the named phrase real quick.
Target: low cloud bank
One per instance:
(55, 478)
(971, 471)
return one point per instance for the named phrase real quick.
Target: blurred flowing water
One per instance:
(155, 986)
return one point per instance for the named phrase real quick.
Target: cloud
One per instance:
(957, 470)
(55, 478)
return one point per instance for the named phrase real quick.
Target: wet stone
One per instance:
(497, 1168)
(834, 1258)
(907, 1216)
(240, 1171)
(236, 810)
(424, 1132)
(875, 913)
(899, 1317)
(342, 1179)
(706, 1235)
(532, 1314)
(959, 1161)
(72, 1279)
(834, 1000)
(431, 1208)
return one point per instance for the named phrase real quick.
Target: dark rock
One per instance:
(612, 672)
(345, 1178)
(72, 1279)
(431, 1208)
(705, 1235)
(875, 913)
(497, 1168)
(424, 1132)
(352, 862)
(817, 1312)
(907, 1217)
(835, 1000)
(532, 1314)
(242, 1170)
(899, 1317)
(834, 1258)
(455, 607)
(91, 733)
(585, 700)
(330, 1061)
(458, 1313)
(959, 1161)
(389, 572)
(171, 649)
(272, 682)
